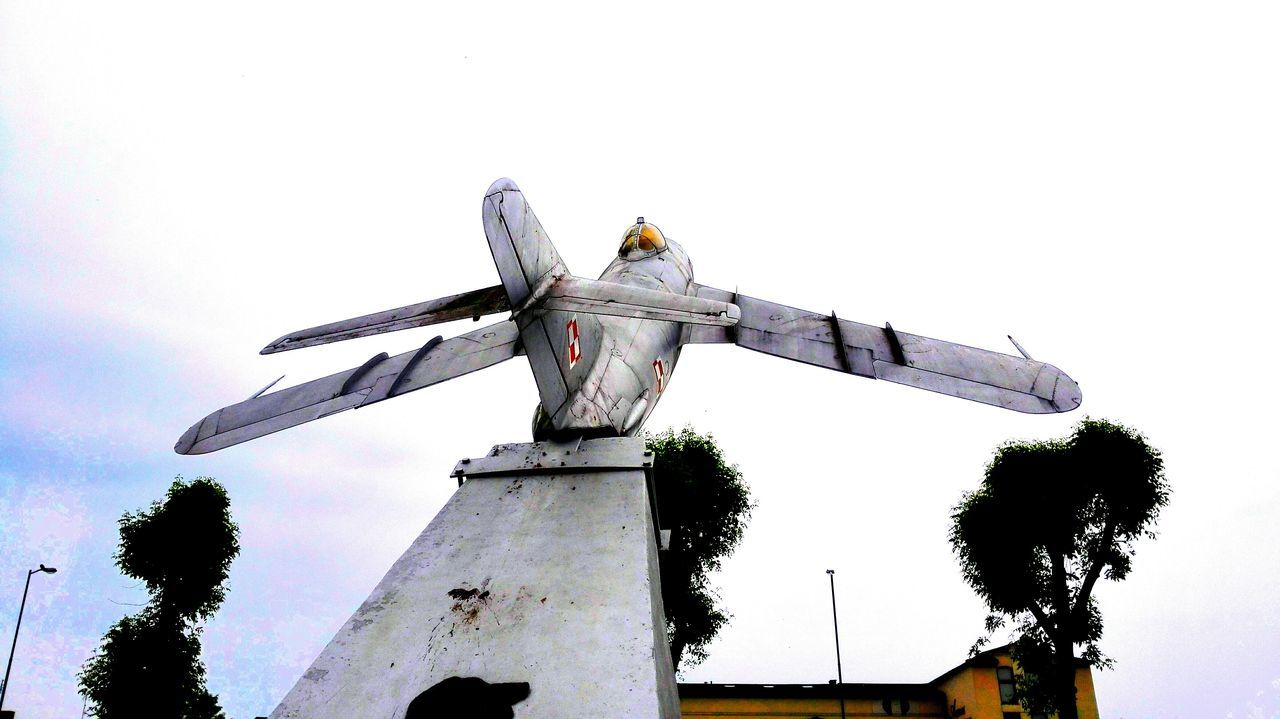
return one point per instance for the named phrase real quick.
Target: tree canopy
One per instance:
(149, 663)
(706, 504)
(1050, 519)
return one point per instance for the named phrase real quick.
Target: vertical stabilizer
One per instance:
(521, 249)
(557, 343)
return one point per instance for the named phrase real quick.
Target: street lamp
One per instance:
(831, 574)
(16, 627)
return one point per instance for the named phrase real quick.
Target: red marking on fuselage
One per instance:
(575, 348)
(659, 372)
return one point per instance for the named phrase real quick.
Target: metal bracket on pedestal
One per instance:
(606, 454)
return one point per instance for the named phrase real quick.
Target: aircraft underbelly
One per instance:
(634, 358)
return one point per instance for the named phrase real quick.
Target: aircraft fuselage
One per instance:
(603, 351)
(627, 361)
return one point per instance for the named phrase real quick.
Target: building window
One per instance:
(1013, 715)
(887, 706)
(1004, 675)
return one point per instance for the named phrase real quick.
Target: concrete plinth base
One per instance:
(542, 568)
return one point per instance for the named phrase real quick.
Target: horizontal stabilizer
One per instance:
(576, 294)
(1018, 383)
(380, 378)
(473, 304)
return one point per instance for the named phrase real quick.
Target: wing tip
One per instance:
(1067, 398)
(187, 441)
(1067, 395)
(278, 344)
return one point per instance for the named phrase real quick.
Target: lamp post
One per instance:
(4, 689)
(831, 574)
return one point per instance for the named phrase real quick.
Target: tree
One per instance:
(705, 503)
(1050, 519)
(149, 663)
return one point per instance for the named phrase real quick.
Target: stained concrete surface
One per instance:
(550, 579)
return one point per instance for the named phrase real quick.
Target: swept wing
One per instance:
(379, 378)
(474, 304)
(993, 378)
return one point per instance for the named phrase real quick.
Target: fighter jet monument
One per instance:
(486, 596)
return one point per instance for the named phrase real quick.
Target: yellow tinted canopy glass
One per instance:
(643, 239)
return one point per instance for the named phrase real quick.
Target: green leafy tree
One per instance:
(1050, 519)
(705, 503)
(149, 664)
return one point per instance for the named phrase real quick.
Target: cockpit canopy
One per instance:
(642, 240)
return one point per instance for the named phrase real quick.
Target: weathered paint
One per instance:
(542, 577)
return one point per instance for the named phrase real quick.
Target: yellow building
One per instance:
(980, 688)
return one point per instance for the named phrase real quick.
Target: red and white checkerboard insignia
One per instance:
(575, 348)
(659, 373)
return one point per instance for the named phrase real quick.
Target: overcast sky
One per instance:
(179, 186)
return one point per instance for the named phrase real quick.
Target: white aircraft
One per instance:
(603, 351)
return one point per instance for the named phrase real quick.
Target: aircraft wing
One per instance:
(1001, 380)
(379, 378)
(454, 307)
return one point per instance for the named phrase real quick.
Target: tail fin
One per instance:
(528, 263)
(521, 249)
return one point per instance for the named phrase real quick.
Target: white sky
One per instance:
(179, 185)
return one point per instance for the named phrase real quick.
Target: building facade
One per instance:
(979, 688)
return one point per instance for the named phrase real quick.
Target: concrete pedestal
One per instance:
(542, 568)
